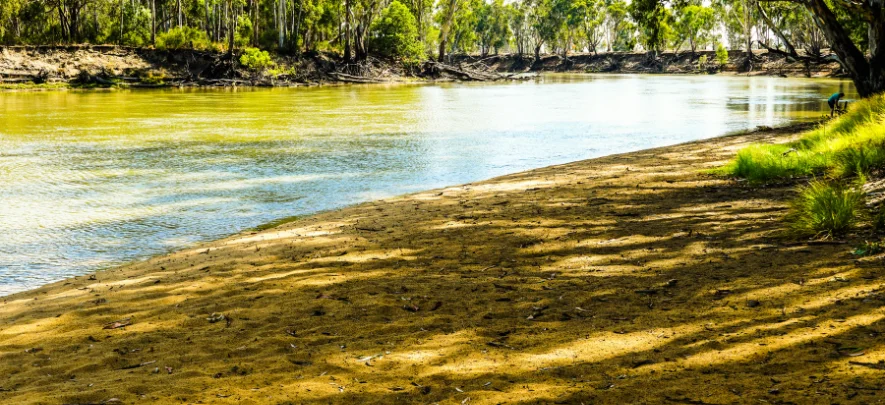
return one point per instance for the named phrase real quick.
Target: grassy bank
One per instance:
(850, 145)
(630, 278)
(840, 157)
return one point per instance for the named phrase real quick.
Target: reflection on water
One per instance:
(91, 179)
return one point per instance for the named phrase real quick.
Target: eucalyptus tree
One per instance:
(493, 30)
(547, 22)
(589, 16)
(520, 25)
(446, 18)
(850, 27)
(694, 23)
(615, 25)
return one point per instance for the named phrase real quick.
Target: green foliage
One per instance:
(183, 37)
(256, 60)
(766, 162)
(588, 16)
(492, 26)
(702, 62)
(826, 210)
(546, 22)
(243, 36)
(721, 54)
(654, 21)
(849, 145)
(281, 71)
(859, 160)
(395, 34)
(619, 31)
(153, 77)
(135, 30)
(694, 24)
(466, 26)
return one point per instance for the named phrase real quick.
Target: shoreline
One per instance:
(795, 127)
(103, 66)
(630, 277)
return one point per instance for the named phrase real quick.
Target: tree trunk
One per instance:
(748, 31)
(877, 46)
(538, 51)
(231, 28)
(347, 23)
(121, 23)
(208, 26)
(153, 22)
(867, 80)
(444, 30)
(281, 23)
(297, 31)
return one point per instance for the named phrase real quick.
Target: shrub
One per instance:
(255, 59)
(395, 34)
(154, 77)
(183, 37)
(282, 71)
(702, 62)
(826, 209)
(721, 54)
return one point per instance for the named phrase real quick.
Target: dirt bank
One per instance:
(104, 66)
(632, 278)
(764, 63)
(111, 66)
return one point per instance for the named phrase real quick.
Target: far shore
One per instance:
(107, 66)
(635, 277)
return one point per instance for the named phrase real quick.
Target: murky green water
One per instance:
(92, 179)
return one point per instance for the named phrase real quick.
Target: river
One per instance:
(93, 179)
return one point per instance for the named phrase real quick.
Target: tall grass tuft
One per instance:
(826, 210)
(850, 145)
(859, 160)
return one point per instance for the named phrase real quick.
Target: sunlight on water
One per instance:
(93, 179)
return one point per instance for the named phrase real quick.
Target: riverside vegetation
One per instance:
(808, 32)
(844, 158)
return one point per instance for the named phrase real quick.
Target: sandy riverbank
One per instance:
(628, 278)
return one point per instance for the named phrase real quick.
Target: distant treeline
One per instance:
(462, 26)
(415, 29)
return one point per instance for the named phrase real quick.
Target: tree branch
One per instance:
(860, 7)
(776, 31)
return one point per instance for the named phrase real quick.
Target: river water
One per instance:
(93, 179)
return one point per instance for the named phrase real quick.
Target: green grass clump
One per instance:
(859, 160)
(826, 210)
(764, 162)
(850, 145)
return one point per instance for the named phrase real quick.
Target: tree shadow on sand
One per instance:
(632, 278)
